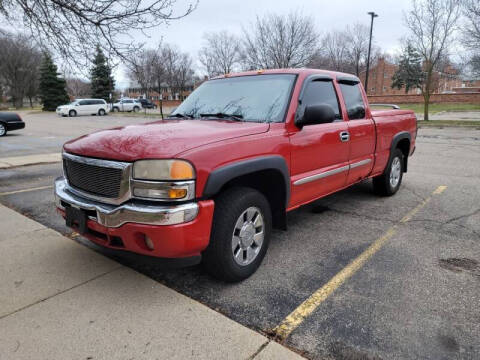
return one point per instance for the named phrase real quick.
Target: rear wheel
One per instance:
(389, 182)
(72, 113)
(3, 129)
(241, 230)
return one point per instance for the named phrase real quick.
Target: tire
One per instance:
(389, 182)
(72, 113)
(241, 214)
(136, 109)
(3, 129)
(115, 109)
(102, 112)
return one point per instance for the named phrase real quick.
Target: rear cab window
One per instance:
(352, 95)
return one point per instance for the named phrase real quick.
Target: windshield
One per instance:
(260, 98)
(74, 102)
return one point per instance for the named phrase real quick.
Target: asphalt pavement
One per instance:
(415, 297)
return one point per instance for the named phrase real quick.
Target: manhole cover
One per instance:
(460, 264)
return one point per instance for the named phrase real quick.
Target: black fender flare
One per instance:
(396, 139)
(224, 174)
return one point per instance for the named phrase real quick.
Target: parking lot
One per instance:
(384, 278)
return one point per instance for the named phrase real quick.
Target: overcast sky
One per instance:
(216, 15)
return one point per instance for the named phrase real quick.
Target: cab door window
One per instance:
(320, 92)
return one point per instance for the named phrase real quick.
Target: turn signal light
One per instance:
(177, 193)
(181, 170)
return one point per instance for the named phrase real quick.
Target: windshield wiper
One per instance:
(221, 115)
(180, 115)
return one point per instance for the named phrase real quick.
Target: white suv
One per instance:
(84, 107)
(127, 105)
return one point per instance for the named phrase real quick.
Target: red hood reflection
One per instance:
(161, 139)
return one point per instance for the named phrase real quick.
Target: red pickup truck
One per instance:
(209, 182)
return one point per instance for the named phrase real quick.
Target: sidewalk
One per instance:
(8, 162)
(60, 300)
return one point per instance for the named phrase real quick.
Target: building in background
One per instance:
(380, 80)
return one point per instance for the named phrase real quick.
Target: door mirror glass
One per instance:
(316, 114)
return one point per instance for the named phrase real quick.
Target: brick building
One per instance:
(380, 80)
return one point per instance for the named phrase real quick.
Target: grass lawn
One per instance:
(449, 123)
(439, 107)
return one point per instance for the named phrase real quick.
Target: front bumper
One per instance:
(176, 231)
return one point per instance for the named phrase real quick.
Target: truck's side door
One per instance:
(319, 156)
(361, 128)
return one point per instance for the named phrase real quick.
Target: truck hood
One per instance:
(160, 139)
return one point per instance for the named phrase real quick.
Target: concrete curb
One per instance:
(60, 300)
(9, 162)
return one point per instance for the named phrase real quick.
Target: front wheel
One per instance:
(241, 230)
(136, 109)
(72, 113)
(389, 182)
(102, 112)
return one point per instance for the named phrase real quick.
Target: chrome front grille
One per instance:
(102, 179)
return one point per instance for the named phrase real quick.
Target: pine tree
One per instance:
(410, 73)
(52, 87)
(102, 82)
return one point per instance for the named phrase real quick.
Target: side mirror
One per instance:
(357, 113)
(316, 114)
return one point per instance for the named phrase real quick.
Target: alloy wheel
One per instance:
(248, 236)
(395, 172)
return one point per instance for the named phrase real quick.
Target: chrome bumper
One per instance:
(115, 216)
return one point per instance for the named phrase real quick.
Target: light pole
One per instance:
(373, 15)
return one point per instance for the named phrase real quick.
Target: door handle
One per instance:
(344, 136)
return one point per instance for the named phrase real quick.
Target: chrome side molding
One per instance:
(331, 172)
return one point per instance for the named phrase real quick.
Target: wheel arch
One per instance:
(267, 174)
(401, 141)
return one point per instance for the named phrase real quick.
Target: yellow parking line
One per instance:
(26, 190)
(297, 316)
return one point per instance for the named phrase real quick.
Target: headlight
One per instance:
(163, 170)
(172, 180)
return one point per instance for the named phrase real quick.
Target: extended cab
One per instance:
(211, 181)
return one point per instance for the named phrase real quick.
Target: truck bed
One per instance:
(388, 123)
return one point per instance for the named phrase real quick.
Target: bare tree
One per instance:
(74, 28)
(344, 50)
(471, 34)
(19, 63)
(143, 69)
(431, 24)
(160, 68)
(77, 87)
(183, 74)
(358, 37)
(335, 53)
(220, 54)
(276, 41)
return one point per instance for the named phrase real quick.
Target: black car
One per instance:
(147, 104)
(10, 121)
